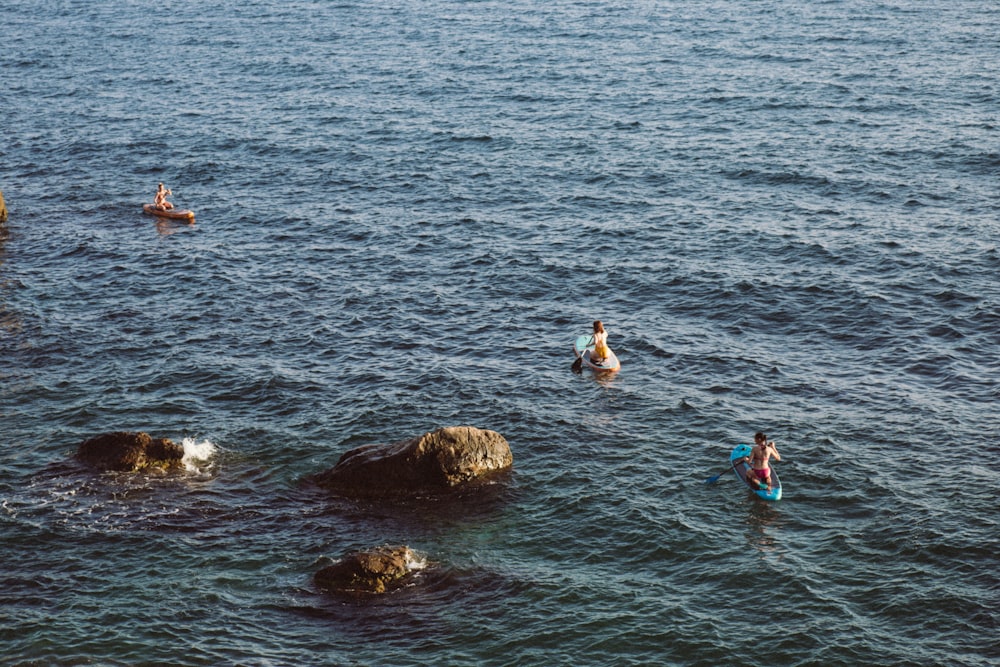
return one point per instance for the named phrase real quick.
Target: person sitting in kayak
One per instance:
(160, 200)
(600, 338)
(759, 472)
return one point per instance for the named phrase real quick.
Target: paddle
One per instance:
(715, 478)
(578, 363)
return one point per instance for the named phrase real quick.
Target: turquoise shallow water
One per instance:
(786, 215)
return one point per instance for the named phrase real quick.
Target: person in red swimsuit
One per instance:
(759, 471)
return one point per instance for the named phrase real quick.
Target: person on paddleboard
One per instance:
(759, 470)
(601, 350)
(160, 200)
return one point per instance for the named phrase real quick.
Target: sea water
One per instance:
(785, 213)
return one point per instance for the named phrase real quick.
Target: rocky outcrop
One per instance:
(130, 451)
(3, 209)
(442, 460)
(379, 570)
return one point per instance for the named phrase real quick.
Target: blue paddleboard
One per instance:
(740, 461)
(584, 347)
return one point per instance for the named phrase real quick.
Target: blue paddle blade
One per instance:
(714, 478)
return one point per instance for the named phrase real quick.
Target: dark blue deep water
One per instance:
(786, 214)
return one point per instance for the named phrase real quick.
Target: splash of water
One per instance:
(414, 561)
(196, 451)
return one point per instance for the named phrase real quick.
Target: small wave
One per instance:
(482, 138)
(779, 178)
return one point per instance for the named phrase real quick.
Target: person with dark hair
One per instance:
(759, 471)
(160, 200)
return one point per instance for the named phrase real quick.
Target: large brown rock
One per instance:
(131, 451)
(368, 572)
(3, 209)
(441, 460)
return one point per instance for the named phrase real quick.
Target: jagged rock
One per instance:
(368, 572)
(440, 460)
(130, 451)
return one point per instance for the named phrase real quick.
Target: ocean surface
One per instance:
(785, 213)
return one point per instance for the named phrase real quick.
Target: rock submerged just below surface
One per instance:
(130, 451)
(448, 459)
(372, 572)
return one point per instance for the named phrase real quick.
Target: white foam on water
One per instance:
(196, 451)
(415, 562)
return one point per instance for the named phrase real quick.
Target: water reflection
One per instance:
(167, 227)
(762, 520)
(605, 379)
(8, 320)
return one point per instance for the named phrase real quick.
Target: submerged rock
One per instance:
(440, 460)
(379, 570)
(130, 451)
